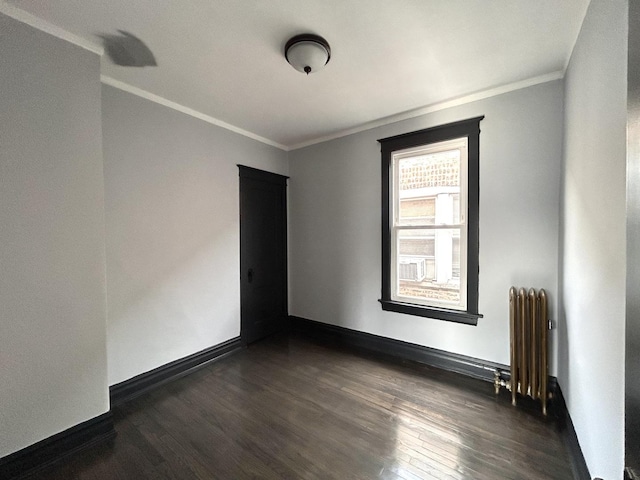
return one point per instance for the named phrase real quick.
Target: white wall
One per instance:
(172, 221)
(53, 368)
(335, 198)
(591, 365)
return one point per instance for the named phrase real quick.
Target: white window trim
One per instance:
(461, 145)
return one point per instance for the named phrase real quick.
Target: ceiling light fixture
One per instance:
(307, 53)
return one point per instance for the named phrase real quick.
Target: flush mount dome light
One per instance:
(307, 53)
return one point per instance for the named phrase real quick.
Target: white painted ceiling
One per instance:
(224, 58)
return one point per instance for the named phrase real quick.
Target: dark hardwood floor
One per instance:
(291, 408)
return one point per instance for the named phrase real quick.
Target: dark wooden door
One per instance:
(263, 253)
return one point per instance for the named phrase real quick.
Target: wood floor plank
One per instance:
(293, 408)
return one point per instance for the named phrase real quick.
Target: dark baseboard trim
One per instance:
(124, 391)
(49, 451)
(398, 349)
(389, 347)
(570, 438)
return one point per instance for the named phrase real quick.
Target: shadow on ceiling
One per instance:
(127, 50)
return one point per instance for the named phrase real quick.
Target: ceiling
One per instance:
(224, 58)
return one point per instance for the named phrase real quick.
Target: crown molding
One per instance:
(112, 82)
(473, 97)
(44, 26)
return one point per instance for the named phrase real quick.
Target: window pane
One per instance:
(456, 256)
(428, 266)
(418, 211)
(429, 188)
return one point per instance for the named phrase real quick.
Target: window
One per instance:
(430, 222)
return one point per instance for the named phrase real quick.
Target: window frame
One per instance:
(470, 129)
(401, 224)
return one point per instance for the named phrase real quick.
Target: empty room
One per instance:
(311, 240)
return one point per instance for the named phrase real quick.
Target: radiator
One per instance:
(529, 351)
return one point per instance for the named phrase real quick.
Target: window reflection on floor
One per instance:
(424, 450)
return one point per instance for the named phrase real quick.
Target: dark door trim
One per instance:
(280, 180)
(250, 172)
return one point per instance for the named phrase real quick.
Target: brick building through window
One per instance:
(429, 194)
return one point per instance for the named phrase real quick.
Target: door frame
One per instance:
(282, 181)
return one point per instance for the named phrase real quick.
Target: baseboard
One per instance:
(49, 451)
(570, 438)
(129, 389)
(389, 347)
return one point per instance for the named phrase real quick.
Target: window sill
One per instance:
(457, 316)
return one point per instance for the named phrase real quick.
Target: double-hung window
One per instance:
(430, 222)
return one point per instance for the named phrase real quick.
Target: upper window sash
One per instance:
(456, 146)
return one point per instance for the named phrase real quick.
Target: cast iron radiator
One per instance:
(529, 326)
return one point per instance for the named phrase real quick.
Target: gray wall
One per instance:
(53, 367)
(632, 368)
(170, 197)
(172, 222)
(335, 223)
(591, 363)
